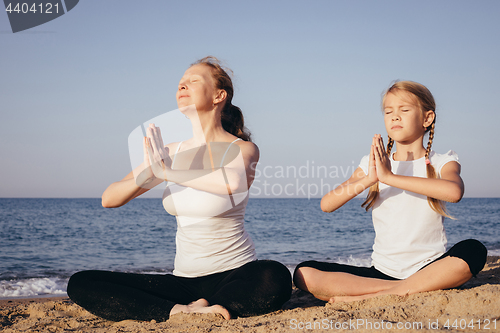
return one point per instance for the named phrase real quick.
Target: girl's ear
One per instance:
(220, 97)
(429, 117)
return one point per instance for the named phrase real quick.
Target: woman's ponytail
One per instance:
(233, 122)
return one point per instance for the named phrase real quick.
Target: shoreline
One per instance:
(474, 303)
(7, 301)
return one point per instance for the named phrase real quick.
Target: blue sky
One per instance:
(308, 77)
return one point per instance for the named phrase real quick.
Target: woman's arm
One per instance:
(119, 193)
(132, 185)
(235, 176)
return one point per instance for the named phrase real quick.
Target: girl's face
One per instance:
(196, 87)
(404, 120)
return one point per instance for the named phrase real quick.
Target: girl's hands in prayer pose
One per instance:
(382, 160)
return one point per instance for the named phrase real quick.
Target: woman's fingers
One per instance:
(154, 134)
(157, 141)
(161, 146)
(146, 153)
(153, 139)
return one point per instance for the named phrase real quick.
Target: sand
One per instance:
(472, 307)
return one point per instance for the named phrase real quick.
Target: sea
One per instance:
(44, 241)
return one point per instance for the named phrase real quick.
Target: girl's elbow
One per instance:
(456, 196)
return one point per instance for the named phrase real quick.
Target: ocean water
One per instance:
(44, 241)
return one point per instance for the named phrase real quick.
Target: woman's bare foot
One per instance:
(201, 306)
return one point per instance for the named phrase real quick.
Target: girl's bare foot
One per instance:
(337, 299)
(201, 306)
(362, 297)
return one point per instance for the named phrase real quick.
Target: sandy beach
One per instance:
(473, 307)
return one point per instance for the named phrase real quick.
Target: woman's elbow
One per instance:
(325, 206)
(236, 183)
(106, 203)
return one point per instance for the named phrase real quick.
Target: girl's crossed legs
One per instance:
(337, 282)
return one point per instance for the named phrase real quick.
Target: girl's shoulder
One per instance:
(439, 160)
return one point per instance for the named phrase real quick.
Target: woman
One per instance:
(209, 175)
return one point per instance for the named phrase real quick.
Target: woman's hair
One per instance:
(231, 116)
(423, 98)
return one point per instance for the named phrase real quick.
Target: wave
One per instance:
(33, 287)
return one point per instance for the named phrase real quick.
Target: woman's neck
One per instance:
(207, 127)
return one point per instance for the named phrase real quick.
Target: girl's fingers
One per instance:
(377, 155)
(378, 150)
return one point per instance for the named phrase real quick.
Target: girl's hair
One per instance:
(231, 116)
(425, 101)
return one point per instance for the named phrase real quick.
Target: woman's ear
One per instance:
(429, 117)
(220, 97)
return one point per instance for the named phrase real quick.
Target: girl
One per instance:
(408, 189)
(209, 175)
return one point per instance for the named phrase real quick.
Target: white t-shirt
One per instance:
(409, 234)
(211, 237)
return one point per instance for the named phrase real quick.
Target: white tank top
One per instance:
(210, 237)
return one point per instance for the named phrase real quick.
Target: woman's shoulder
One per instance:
(247, 147)
(172, 146)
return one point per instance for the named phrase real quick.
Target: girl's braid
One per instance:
(390, 143)
(429, 144)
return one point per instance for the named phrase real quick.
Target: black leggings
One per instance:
(471, 251)
(255, 288)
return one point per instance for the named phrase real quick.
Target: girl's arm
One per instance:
(349, 189)
(449, 187)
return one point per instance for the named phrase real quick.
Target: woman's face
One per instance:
(196, 87)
